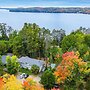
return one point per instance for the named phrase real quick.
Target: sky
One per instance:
(28, 3)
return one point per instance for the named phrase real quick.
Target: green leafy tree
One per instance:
(12, 64)
(44, 41)
(3, 47)
(11, 39)
(74, 41)
(17, 46)
(27, 40)
(55, 55)
(1, 66)
(35, 69)
(87, 39)
(5, 31)
(48, 79)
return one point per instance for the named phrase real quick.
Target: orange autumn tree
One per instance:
(1, 84)
(30, 84)
(71, 68)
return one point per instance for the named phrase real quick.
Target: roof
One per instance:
(4, 57)
(31, 61)
(26, 62)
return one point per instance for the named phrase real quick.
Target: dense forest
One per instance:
(70, 53)
(34, 41)
(83, 10)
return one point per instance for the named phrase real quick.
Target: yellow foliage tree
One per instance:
(13, 84)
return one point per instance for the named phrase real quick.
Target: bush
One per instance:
(48, 79)
(25, 70)
(12, 65)
(35, 69)
(1, 66)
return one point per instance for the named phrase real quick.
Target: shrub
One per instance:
(12, 64)
(48, 79)
(35, 69)
(25, 70)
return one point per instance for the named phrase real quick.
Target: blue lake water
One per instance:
(66, 21)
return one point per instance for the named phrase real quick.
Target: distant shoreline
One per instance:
(80, 10)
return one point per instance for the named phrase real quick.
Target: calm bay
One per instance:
(66, 21)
